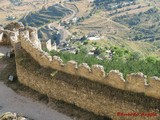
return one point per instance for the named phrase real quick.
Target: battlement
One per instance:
(27, 38)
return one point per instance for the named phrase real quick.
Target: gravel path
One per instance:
(12, 102)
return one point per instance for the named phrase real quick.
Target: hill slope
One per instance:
(133, 24)
(45, 15)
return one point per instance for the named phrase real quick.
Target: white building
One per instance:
(51, 46)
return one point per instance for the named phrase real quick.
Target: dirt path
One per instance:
(11, 101)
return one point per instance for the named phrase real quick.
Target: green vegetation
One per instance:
(131, 63)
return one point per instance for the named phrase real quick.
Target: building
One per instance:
(49, 45)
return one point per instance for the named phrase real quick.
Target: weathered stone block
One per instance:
(153, 89)
(84, 70)
(136, 82)
(71, 67)
(57, 63)
(98, 72)
(115, 79)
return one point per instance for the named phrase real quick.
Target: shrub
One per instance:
(148, 66)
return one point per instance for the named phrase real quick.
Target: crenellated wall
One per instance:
(28, 40)
(135, 82)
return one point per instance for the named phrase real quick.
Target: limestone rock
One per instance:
(155, 78)
(11, 116)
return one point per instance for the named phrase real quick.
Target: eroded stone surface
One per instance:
(11, 116)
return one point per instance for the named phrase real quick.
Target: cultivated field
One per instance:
(45, 16)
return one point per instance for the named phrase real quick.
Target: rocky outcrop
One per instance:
(11, 116)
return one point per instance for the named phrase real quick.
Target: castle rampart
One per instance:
(27, 40)
(135, 82)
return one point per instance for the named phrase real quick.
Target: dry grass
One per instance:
(100, 22)
(83, 6)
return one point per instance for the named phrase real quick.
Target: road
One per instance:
(12, 102)
(70, 17)
(63, 32)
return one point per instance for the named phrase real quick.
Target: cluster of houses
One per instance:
(93, 36)
(65, 46)
(108, 54)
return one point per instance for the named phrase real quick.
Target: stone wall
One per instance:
(27, 39)
(92, 96)
(136, 82)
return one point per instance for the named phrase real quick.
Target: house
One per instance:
(90, 53)
(74, 20)
(92, 34)
(94, 38)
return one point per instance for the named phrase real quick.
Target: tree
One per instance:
(151, 59)
(135, 56)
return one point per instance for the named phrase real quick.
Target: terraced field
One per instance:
(140, 16)
(45, 33)
(144, 26)
(44, 16)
